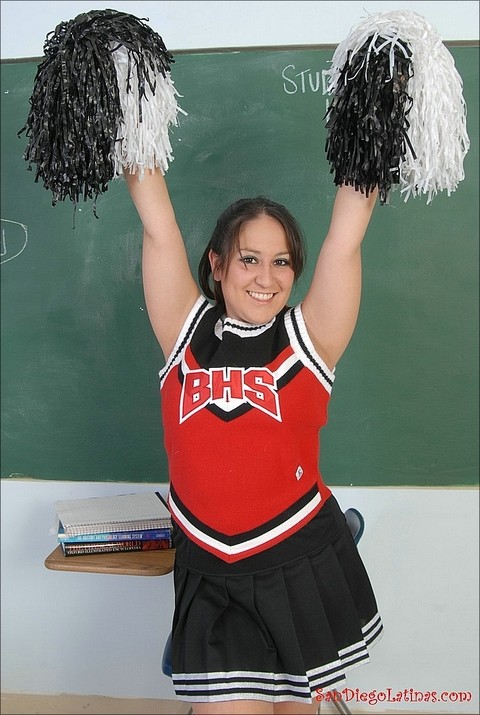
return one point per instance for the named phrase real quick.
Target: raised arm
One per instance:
(331, 306)
(169, 286)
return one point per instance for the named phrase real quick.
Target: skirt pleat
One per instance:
(275, 634)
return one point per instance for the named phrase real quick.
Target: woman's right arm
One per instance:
(168, 283)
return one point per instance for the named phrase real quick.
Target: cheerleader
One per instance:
(273, 605)
(272, 602)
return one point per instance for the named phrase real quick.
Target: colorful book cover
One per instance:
(98, 547)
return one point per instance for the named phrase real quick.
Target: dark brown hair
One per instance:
(224, 240)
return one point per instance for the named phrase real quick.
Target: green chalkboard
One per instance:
(80, 364)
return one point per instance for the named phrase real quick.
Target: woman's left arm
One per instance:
(330, 308)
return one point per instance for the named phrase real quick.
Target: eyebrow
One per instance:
(259, 253)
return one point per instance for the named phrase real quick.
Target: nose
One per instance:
(264, 276)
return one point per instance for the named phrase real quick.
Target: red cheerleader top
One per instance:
(242, 406)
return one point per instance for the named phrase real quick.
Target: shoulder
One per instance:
(304, 348)
(200, 310)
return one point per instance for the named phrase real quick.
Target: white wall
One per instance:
(100, 634)
(104, 635)
(187, 25)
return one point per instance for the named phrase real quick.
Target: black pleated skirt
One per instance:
(286, 624)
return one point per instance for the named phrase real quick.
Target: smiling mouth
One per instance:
(263, 297)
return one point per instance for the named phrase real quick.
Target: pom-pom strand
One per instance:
(366, 121)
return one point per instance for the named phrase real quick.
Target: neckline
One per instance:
(240, 328)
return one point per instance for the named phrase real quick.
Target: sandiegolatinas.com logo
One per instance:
(390, 695)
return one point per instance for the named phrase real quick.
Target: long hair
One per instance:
(224, 240)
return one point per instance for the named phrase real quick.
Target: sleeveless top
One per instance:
(242, 406)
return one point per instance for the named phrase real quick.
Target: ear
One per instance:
(216, 271)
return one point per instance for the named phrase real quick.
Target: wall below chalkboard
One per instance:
(79, 361)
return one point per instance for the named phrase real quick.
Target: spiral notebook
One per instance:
(120, 512)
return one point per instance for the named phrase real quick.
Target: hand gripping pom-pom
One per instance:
(103, 99)
(397, 115)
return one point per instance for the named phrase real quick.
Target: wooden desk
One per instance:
(128, 563)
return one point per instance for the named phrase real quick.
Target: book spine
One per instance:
(146, 535)
(115, 547)
(79, 530)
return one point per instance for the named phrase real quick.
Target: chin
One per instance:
(256, 314)
(262, 315)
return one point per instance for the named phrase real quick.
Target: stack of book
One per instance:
(123, 522)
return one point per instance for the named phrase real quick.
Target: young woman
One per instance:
(272, 602)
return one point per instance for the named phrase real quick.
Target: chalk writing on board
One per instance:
(305, 81)
(14, 239)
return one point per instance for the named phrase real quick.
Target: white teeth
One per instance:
(261, 296)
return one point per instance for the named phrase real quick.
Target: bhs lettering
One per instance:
(229, 388)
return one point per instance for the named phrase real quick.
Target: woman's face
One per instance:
(258, 279)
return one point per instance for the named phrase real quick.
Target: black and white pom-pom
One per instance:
(103, 99)
(397, 115)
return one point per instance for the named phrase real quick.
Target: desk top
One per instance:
(126, 563)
